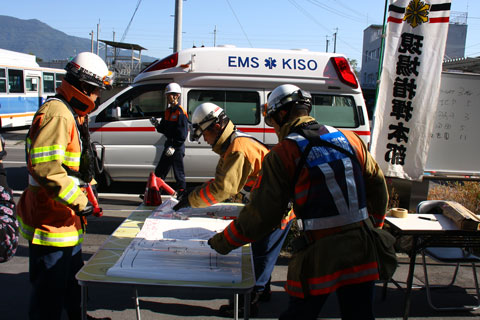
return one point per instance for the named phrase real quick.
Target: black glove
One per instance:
(88, 210)
(182, 203)
(218, 243)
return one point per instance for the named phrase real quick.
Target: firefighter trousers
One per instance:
(52, 277)
(355, 302)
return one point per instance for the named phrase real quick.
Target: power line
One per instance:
(241, 27)
(335, 11)
(306, 13)
(131, 19)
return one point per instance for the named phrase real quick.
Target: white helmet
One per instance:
(173, 88)
(283, 95)
(203, 117)
(90, 68)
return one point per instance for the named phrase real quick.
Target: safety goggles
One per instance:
(196, 130)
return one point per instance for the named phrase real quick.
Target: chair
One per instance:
(446, 255)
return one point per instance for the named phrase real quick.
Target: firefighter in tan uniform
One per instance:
(52, 210)
(335, 185)
(240, 162)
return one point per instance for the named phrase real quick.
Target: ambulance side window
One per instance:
(142, 102)
(242, 107)
(335, 110)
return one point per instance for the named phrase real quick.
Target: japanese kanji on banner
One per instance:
(409, 85)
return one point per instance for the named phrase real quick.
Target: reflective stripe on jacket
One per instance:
(330, 187)
(47, 207)
(240, 161)
(328, 263)
(174, 125)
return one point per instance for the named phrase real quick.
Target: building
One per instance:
(126, 67)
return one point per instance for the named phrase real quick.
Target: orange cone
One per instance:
(152, 196)
(163, 185)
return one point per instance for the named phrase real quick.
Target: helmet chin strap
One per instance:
(282, 120)
(80, 102)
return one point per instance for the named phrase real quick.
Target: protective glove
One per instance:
(170, 151)
(182, 203)
(88, 210)
(218, 244)
(154, 121)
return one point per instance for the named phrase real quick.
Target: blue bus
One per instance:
(24, 86)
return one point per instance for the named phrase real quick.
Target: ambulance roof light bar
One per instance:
(166, 63)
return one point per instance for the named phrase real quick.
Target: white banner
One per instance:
(409, 85)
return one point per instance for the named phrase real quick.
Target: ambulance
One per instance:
(237, 79)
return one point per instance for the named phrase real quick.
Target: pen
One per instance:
(427, 218)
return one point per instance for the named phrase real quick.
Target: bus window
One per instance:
(242, 107)
(58, 79)
(31, 84)
(335, 110)
(3, 81)
(48, 82)
(15, 81)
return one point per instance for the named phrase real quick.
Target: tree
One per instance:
(354, 64)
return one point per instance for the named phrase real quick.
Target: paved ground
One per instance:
(118, 304)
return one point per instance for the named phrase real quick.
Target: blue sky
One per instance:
(283, 24)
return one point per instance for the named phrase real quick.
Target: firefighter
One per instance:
(240, 162)
(174, 125)
(335, 185)
(52, 210)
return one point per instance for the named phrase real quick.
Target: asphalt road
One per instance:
(117, 303)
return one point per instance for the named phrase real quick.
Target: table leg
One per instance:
(246, 306)
(83, 302)
(411, 270)
(235, 306)
(137, 303)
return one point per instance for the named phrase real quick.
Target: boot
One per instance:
(266, 294)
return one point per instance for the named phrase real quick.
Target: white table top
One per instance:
(421, 222)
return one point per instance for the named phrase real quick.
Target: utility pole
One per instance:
(91, 46)
(335, 40)
(177, 33)
(326, 45)
(114, 51)
(215, 36)
(98, 32)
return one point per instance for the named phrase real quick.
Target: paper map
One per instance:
(173, 246)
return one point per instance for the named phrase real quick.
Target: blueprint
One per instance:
(173, 246)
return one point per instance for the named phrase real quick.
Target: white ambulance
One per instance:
(238, 80)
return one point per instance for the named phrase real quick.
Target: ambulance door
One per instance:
(122, 125)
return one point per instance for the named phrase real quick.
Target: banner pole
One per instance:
(382, 49)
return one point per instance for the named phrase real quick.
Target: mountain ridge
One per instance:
(33, 36)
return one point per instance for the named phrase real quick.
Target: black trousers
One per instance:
(175, 161)
(52, 277)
